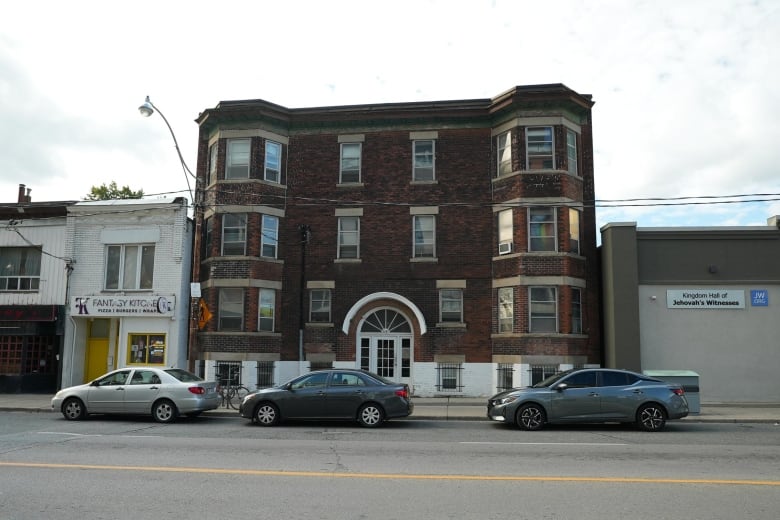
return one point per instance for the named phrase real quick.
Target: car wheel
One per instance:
(164, 411)
(651, 418)
(73, 409)
(266, 414)
(531, 417)
(370, 415)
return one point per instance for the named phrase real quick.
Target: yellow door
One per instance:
(96, 360)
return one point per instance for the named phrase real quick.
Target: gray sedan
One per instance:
(337, 394)
(163, 393)
(591, 396)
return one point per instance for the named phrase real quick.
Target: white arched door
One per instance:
(385, 345)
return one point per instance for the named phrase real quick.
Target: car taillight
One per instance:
(402, 393)
(678, 391)
(197, 390)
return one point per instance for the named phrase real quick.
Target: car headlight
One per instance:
(506, 400)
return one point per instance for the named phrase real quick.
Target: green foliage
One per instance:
(112, 191)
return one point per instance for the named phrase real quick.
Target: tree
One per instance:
(111, 192)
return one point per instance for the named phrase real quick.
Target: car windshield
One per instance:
(551, 380)
(183, 375)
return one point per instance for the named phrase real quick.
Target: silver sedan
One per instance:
(163, 393)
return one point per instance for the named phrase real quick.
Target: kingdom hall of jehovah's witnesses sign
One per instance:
(705, 299)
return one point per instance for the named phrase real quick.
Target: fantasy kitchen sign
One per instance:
(150, 306)
(705, 299)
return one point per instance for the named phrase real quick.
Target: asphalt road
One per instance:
(222, 467)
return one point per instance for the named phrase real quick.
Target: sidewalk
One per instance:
(464, 409)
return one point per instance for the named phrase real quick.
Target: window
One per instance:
(319, 306)
(231, 309)
(544, 309)
(269, 242)
(233, 234)
(574, 231)
(424, 236)
(505, 232)
(273, 162)
(506, 309)
(449, 377)
(349, 237)
(146, 349)
(576, 311)
(213, 150)
(266, 310)
(237, 159)
(539, 146)
(504, 146)
(129, 267)
(582, 380)
(541, 229)
(208, 225)
(20, 268)
(423, 160)
(265, 374)
(541, 372)
(505, 376)
(228, 373)
(350, 163)
(451, 305)
(571, 151)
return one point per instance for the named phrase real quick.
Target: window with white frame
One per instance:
(233, 234)
(539, 147)
(424, 159)
(424, 236)
(231, 309)
(20, 268)
(349, 237)
(269, 242)
(504, 147)
(505, 231)
(543, 309)
(213, 150)
(319, 305)
(576, 311)
(449, 377)
(350, 163)
(238, 158)
(451, 305)
(273, 162)
(506, 309)
(266, 310)
(574, 231)
(129, 267)
(571, 151)
(541, 229)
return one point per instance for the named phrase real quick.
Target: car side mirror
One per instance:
(94, 383)
(561, 387)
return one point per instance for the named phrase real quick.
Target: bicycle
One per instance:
(232, 395)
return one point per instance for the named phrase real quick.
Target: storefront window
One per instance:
(146, 349)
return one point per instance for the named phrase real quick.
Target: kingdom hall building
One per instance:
(450, 245)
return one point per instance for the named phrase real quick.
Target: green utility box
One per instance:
(687, 379)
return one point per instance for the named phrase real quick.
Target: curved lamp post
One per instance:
(146, 110)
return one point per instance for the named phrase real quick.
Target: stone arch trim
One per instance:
(383, 296)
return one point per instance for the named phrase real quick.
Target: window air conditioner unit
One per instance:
(504, 248)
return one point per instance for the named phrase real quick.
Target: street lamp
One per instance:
(146, 110)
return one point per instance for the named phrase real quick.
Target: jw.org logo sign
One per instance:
(759, 298)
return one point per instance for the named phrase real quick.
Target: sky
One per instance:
(686, 93)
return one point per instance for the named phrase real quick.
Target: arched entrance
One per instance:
(385, 344)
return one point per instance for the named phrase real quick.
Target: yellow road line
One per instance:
(394, 476)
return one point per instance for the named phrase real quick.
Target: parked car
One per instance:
(335, 394)
(164, 393)
(591, 396)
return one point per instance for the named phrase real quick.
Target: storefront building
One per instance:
(128, 296)
(33, 281)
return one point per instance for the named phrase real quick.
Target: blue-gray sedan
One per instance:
(591, 395)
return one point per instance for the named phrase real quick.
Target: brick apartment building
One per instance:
(447, 244)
